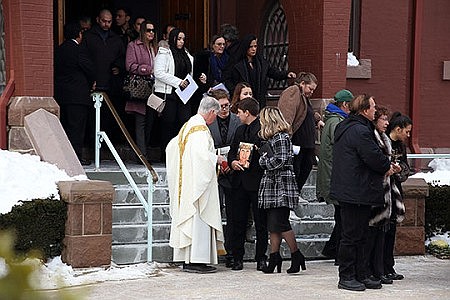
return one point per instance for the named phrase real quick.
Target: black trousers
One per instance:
(173, 117)
(74, 119)
(389, 243)
(331, 248)
(303, 163)
(225, 196)
(242, 202)
(355, 224)
(374, 251)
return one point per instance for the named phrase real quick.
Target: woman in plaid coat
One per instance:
(278, 191)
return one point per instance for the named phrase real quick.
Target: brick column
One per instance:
(88, 237)
(410, 239)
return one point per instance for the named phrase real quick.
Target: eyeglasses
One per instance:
(150, 30)
(225, 106)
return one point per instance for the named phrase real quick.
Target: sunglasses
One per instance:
(150, 30)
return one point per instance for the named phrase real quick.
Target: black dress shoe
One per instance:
(395, 276)
(371, 284)
(385, 280)
(351, 285)
(198, 268)
(261, 264)
(238, 265)
(228, 261)
(85, 162)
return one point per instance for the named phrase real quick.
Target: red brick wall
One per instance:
(318, 37)
(31, 55)
(386, 39)
(434, 127)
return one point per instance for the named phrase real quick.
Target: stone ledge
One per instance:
(415, 187)
(22, 106)
(363, 71)
(83, 191)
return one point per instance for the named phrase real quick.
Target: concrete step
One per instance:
(162, 252)
(135, 214)
(315, 211)
(125, 194)
(137, 233)
(110, 171)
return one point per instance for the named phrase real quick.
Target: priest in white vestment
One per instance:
(196, 233)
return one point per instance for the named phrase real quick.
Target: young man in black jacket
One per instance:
(358, 169)
(245, 184)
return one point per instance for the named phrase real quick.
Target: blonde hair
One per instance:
(272, 122)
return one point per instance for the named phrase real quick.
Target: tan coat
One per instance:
(293, 105)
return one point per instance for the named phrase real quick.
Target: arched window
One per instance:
(276, 42)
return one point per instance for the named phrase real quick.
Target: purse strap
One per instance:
(165, 95)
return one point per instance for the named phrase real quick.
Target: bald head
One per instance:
(104, 19)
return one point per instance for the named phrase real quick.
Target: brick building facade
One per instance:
(405, 41)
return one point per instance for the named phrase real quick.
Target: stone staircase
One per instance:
(129, 232)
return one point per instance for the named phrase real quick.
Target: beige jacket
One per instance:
(293, 106)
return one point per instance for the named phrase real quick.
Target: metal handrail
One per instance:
(102, 136)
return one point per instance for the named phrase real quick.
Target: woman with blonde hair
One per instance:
(278, 191)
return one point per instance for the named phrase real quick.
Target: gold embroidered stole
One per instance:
(181, 146)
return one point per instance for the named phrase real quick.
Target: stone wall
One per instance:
(88, 238)
(18, 108)
(410, 239)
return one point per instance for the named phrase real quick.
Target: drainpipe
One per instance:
(416, 60)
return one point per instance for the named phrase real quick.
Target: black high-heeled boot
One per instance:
(274, 261)
(297, 260)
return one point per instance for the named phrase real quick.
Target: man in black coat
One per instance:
(73, 80)
(245, 185)
(358, 169)
(107, 51)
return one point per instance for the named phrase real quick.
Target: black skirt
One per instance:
(278, 219)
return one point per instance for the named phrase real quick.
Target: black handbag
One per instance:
(139, 87)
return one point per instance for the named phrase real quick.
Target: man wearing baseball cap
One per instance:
(334, 113)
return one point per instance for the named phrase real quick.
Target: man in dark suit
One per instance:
(73, 80)
(245, 184)
(222, 131)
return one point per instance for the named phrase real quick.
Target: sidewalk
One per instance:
(426, 277)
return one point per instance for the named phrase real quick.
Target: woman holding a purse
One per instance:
(171, 68)
(139, 63)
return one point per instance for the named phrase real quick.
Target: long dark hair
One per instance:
(183, 64)
(245, 44)
(398, 120)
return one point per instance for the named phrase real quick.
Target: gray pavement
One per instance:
(426, 277)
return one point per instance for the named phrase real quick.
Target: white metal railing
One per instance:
(428, 155)
(101, 136)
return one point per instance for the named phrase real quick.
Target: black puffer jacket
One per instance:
(358, 163)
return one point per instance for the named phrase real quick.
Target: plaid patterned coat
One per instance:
(278, 187)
